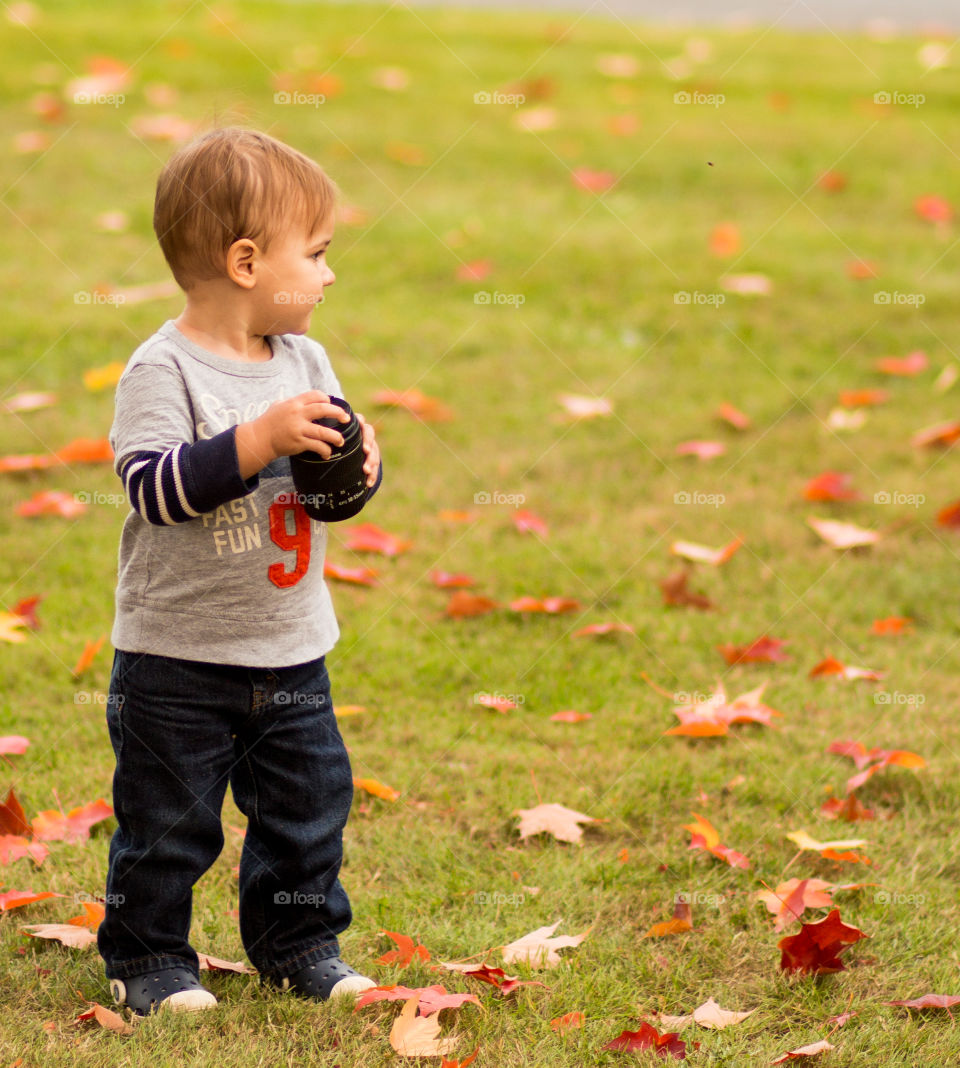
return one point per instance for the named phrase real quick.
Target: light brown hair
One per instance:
(231, 183)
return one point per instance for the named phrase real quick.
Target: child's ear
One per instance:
(241, 259)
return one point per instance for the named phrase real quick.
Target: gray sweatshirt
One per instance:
(213, 567)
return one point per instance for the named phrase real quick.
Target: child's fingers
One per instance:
(324, 410)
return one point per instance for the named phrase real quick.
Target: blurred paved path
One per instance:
(904, 15)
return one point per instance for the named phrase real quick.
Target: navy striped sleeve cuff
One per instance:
(187, 480)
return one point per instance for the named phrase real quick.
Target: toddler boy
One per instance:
(223, 619)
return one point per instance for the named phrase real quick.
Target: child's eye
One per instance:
(316, 255)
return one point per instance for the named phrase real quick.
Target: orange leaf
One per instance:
(593, 181)
(106, 1018)
(16, 846)
(13, 820)
(681, 922)
(597, 629)
(831, 486)
(53, 826)
(418, 404)
(367, 537)
(65, 933)
(939, 434)
(90, 650)
(892, 625)
(377, 789)
(860, 398)
(725, 240)
(446, 580)
(359, 576)
(571, 715)
(405, 951)
(933, 208)
(15, 899)
(550, 605)
(52, 502)
(463, 604)
(911, 364)
(85, 451)
(528, 522)
(761, 650)
(733, 416)
(568, 1022)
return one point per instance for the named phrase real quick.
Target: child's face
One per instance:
(292, 278)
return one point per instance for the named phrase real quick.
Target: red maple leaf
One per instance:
(763, 649)
(405, 951)
(647, 1037)
(816, 949)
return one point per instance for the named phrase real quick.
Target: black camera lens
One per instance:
(334, 488)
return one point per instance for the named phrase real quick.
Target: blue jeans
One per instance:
(181, 729)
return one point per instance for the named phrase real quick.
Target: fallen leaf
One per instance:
(570, 715)
(528, 522)
(725, 240)
(567, 1022)
(13, 743)
(832, 666)
(550, 605)
(52, 502)
(13, 820)
(831, 486)
(215, 964)
(812, 1050)
(65, 933)
(29, 402)
(15, 899)
(446, 580)
(17, 846)
(945, 434)
(416, 1036)
(929, 1001)
(843, 535)
(708, 1015)
(647, 1037)
(703, 835)
(912, 364)
(690, 550)
(11, 627)
(418, 404)
(561, 822)
(748, 285)
(359, 576)
(462, 605)
(933, 208)
(593, 181)
(580, 407)
(90, 651)
(107, 1019)
(892, 625)
(53, 826)
(816, 949)
(681, 921)
(376, 789)
(432, 998)
(369, 538)
(600, 629)
(729, 414)
(405, 951)
(850, 809)
(539, 949)
(97, 378)
(762, 650)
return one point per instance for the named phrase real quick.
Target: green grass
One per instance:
(598, 274)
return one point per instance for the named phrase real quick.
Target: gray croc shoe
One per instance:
(330, 978)
(172, 990)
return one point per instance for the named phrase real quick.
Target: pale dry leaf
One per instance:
(561, 822)
(539, 949)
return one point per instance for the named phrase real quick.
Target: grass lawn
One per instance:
(695, 130)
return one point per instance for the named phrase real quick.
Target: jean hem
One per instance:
(316, 953)
(130, 969)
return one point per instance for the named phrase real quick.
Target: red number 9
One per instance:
(299, 540)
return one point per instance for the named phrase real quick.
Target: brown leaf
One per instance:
(555, 819)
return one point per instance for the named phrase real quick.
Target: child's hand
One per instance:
(287, 428)
(372, 463)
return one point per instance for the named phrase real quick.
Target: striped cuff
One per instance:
(187, 480)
